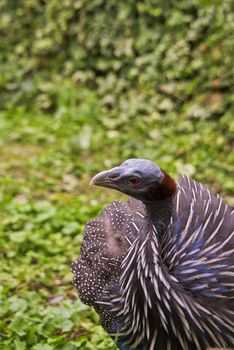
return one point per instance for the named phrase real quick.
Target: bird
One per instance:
(159, 267)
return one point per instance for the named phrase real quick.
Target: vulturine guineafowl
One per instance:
(159, 269)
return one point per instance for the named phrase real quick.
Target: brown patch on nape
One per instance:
(165, 189)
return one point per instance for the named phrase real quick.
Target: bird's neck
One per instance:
(160, 213)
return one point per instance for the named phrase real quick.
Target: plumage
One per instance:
(159, 269)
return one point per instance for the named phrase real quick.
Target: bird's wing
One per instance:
(199, 245)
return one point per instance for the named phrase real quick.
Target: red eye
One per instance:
(134, 181)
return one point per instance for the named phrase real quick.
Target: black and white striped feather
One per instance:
(174, 292)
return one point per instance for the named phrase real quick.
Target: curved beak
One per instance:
(100, 179)
(107, 178)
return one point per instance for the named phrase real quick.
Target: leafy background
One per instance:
(83, 86)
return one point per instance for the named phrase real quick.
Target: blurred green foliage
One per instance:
(163, 55)
(83, 86)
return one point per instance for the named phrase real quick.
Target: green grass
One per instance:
(85, 85)
(45, 201)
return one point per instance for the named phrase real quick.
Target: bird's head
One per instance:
(138, 178)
